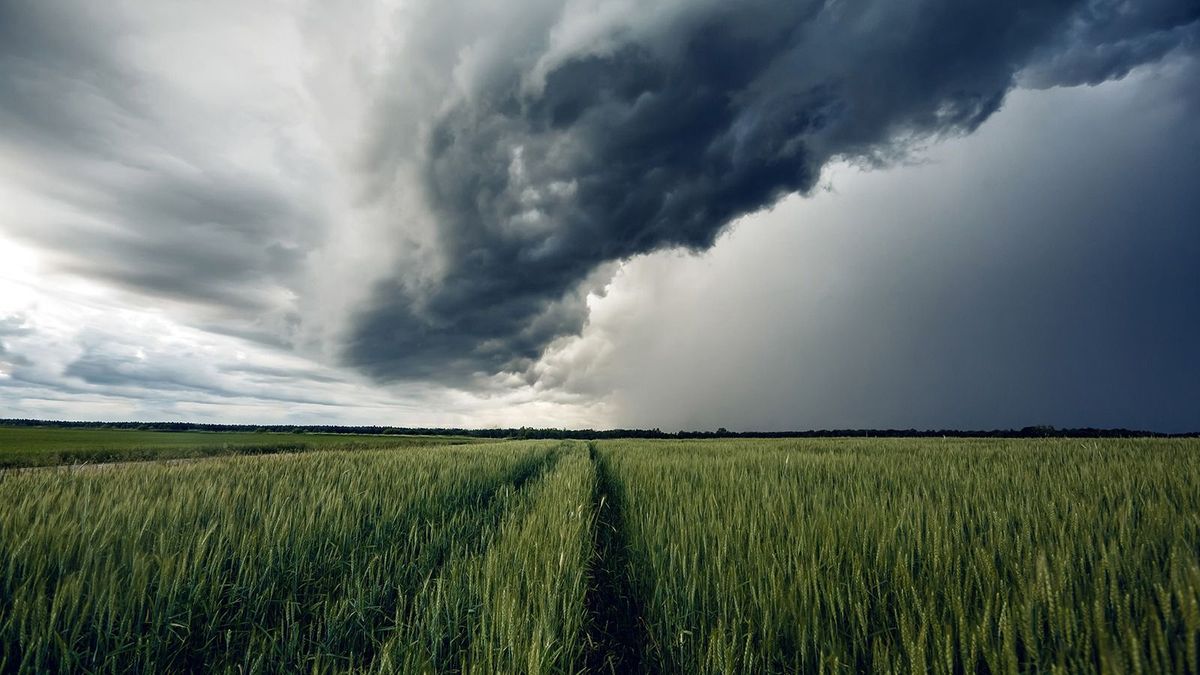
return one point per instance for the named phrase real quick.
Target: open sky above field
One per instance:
(681, 214)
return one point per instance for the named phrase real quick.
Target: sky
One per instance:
(682, 214)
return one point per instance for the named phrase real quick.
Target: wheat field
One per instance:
(724, 556)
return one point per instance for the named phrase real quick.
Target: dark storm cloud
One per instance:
(561, 157)
(143, 198)
(1047, 275)
(1112, 37)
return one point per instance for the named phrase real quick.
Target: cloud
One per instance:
(13, 325)
(438, 194)
(595, 131)
(101, 360)
(71, 357)
(156, 151)
(1026, 274)
(1111, 37)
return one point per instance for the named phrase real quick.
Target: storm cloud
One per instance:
(601, 131)
(444, 212)
(1047, 275)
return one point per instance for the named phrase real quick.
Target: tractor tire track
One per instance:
(614, 635)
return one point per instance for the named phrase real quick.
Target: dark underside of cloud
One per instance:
(1045, 275)
(574, 157)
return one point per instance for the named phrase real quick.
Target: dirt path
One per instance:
(615, 634)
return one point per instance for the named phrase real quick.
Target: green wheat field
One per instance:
(724, 556)
(48, 446)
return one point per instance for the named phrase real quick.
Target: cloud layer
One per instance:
(147, 159)
(597, 131)
(409, 205)
(1046, 275)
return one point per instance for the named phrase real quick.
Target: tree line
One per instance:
(599, 434)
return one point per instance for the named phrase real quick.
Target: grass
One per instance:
(864, 555)
(251, 564)
(901, 556)
(47, 446)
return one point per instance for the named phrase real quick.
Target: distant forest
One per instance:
(594, 434)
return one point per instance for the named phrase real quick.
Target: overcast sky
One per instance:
(593, 213)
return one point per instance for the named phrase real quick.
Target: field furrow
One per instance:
(615, 635)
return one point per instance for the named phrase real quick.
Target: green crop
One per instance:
(47, 446)
(914, 556)
(755, 556)
(256, 564)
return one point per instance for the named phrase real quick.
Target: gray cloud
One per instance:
(1111, 37)
(59, 87)
(432, 192)
(591, 137)
(1027, 274)
(98, 358)
(11, 326)
(276, 375)
(106, 363)
(153, 187)
(10, 359)
(114, 367)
